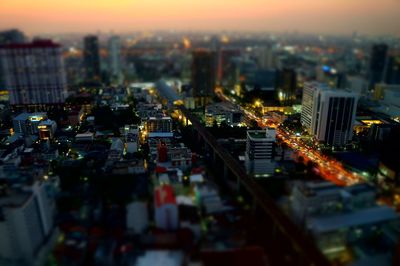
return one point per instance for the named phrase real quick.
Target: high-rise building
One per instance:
(266, 57)
(286, 86)
(26, 221)
(12, 36)
(392, 75)
(377, 63)
(259, 152)
(333, 116)
(27, 123)
(308, 103)
(226, 67)
(203, 75)
(114, 57)
(34, 73)
(92, 58)
(328, 114)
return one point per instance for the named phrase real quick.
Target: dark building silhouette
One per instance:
(377, 63)
(203, 75)
(393, 70)
(11, 37)
(92, 58)
(226, 66)
(286, 84)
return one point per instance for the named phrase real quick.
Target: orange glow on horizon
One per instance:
(328, 16)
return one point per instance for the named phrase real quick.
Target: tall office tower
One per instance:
(91, 58)
(259, 152)
(333, 116)
(114, 57)
(308, 103)
(377, 63)
(266, 57)
(12, 36)
(286, 86)
(203, 75)
(26, 221)
(226, 68)
(392, 75)
(34, 73)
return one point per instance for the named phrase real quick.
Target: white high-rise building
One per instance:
(333, 116)
(114, 51)
(328, 114)
(34, 73)
(308, 103)
(26, 221)
(259, 152)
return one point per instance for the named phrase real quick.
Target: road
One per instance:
(327, 167)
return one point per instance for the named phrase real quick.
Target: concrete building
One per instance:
(26, 220)
(47, 128)
(131, 133)
(308, 103)
(203, 79)
(328, 114)
(159, 124)
(377, 63)
(27, 123)
(345, 220)
(91, 58)
(137, 217)
(259, 152)
(286, 86)
(166, 210)
(114, 57)
(333, 116)
(34, 73)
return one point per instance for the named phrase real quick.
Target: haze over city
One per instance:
(305, 16)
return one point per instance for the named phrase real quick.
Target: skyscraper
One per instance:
(392, 75)
(333, 116)
(26, 221)
(114, 57)
(308, 103)
(203, 75)
(34, 73)
(259, 152)
(377, 63)
(286, 86)
(12, 36)
(328, 114)
(91, 58)
(226, 68)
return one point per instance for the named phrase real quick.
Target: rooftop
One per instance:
(32, 45)
(373, 215)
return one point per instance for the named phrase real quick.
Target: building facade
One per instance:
(333, 116)
(203, 78)
(259, 152)
(114, 57)
(91, 58)
(34, 73)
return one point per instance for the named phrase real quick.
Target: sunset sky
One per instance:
(318, 16)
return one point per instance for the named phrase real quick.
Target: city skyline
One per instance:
(306, 16)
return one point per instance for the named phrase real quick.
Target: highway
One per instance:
(327, 167)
